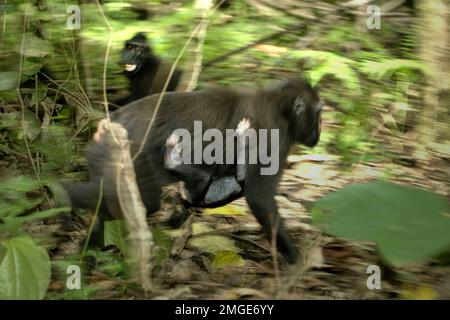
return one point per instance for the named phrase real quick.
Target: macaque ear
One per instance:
(318, 107)
(299, 105)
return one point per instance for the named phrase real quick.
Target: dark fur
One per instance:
(151, 72)
(200, 188)
(270, 108)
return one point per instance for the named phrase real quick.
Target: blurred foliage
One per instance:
(115, 234)
(331, 64)
(374, 79)
(408, 224)
(359, 60)
(18, 196)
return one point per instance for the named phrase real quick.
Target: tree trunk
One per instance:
(434, 39)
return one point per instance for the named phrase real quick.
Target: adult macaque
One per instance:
(146, 72)
(277, 117)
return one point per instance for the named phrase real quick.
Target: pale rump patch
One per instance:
(172, 140)
(174, 152)
(102, 127)
(242, 126)
(183, 192)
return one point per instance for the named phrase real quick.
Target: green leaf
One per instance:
(13, 199)
(115, 234)
(224, 259)
(331, 64)
(229, 209)
(39, 94)
(9, 80)
(385, 68)
(12, 224)
(24, 270)
(163, 244)
(210, 243)
(30, 68)
(408, 224)
(34, 46)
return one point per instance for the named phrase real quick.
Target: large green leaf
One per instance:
(33, 46)
(210, 243)
(8, 80)
(408, 224)
(115, 233)
(24, 269)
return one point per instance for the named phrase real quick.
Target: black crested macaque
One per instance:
(289, 110)
(146, 72)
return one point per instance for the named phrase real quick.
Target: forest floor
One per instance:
(330, 267)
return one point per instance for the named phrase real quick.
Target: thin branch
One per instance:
(246, 47)
(198, 52)
(105, 64)
(93, 222)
